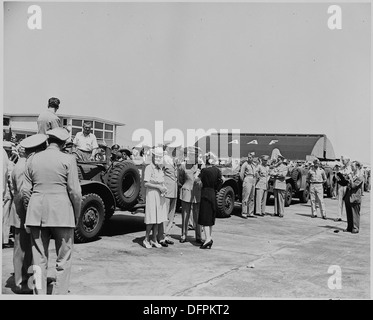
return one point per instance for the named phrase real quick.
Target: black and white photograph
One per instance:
(205, 150)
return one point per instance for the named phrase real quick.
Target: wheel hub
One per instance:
(90, 219)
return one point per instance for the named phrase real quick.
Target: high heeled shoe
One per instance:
(206, 245)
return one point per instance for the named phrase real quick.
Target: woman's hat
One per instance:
(33, 141)
(157, 151)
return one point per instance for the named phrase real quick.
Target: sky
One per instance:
(256, 67)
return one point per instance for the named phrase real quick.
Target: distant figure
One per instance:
(342, 185)
(85, 143)
(353, 197)
(279, 185)
(261, 186)
(48, 119)
(248, 177)
(316, 178)
(115, 154)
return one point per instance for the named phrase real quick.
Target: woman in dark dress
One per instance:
(211, 179)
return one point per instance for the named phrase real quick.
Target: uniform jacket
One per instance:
(262, 174)
(51, 189)
(48, 120)
(247, 170)
(280, 173)
(191, 184)
(354, 189)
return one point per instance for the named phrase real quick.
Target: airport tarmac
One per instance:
(295, 257)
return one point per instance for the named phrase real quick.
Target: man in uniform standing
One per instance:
(48, 119)
(52, 198)
(22, 256)
(248, 177)
(85, 143)
(279, 185)
(316, 178)
(261, 186)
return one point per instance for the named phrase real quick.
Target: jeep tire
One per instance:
(288, 194)
(91, 220)
(225, 202)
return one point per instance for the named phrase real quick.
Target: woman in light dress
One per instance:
(155, 209)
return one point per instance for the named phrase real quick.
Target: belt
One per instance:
(84, 151)
(316, 182)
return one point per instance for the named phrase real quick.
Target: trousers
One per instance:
(188, 208)
(341, 193)
(261, 199)
(353, 216)
(248, 195)
(317, 196)
(64, 242)
(171, 208)
(22, 256)
(279, 196)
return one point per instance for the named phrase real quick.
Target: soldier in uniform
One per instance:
(248, 177)
(261, 186)
(52, 197)
(48, 119)
(279, 185)
(316, 178)
(22, 256)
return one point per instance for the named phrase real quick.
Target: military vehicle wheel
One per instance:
(225, 200)
(124, 182)
(288, 194)
(91, 218)
(296, 175)
(304, 195)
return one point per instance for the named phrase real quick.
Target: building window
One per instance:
(98, 134)
(64, 122)
(6, 122)
(75, 131)
(99, 125)
(77, 123)
(108, 135)
(109, 127)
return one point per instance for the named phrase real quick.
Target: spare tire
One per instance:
(124, 182)
(296, 175)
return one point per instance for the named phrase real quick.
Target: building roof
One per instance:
(291, 146)
(65, 116)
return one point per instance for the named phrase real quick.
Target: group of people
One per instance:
(42, 195)
(163, 177)
(45, 203)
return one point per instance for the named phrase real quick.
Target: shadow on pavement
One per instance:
(12, 286)
(120, 225)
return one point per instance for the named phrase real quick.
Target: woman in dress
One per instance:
(190, 194)
(211, 179)
(155, 209)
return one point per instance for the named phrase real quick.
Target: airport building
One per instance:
(24, 125)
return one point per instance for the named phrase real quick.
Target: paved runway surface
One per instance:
(266, 257)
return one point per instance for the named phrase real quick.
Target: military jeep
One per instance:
(107, 185)
(231, 189)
